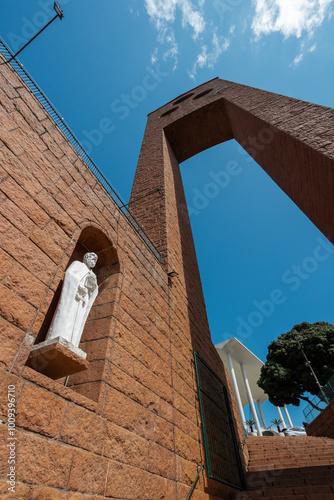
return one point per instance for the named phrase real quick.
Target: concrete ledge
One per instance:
(57, 358)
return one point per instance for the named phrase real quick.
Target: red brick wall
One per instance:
(323, 424)
(129, 426)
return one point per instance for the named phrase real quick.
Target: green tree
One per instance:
(284, 377)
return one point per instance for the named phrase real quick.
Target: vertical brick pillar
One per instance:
(290, 139)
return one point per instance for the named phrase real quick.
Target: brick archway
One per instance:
(289, 138)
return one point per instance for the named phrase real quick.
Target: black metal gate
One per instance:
(221, 449)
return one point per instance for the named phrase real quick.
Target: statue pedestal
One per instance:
(57, 358)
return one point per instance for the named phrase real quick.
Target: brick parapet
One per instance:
(323, 424)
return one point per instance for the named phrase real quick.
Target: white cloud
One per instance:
(163, 11)
(303, 52)
(209, 58)
(173, 49)
(134, 13)
(290, 17)
(298, 59)
(162, 14)
(154, 56)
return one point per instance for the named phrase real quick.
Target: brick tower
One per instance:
(146, 412)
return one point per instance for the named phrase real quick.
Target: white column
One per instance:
(236, 390)
(250, 400)
(281, 416)
(288, 416)
(261, 415)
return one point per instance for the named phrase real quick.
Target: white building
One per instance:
(244, 369)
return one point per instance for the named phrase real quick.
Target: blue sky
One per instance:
(264, 266)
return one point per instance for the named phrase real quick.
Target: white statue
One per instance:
(77, 296)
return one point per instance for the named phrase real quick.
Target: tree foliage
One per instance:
(284, 377)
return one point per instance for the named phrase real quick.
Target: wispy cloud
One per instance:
(298, 59)
(154, 56)
(303, 52)
(162, 14)
(290, 17)
(208, 58)
(203, 35)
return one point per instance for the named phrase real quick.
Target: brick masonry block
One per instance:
(17, 217)
(323, 424)
(54, 210)
(7, 379)
(88, 473)
(186, 447)
(97, 370)
(11, 339)
(21, 490)
(28, 254)
(83, 429)
(97, 349)
(124, 446)
(57, 234)
(44, 493)
(186, 471)
(24, 202)
(24, 283)
(16, 310)
(162, 461)
(164, 433)
(6, 261)
(39, 411)
(18, 171)
(166, 410)
(46, 244)
(120, 409)
(98, 329)
(43, 462)
(128, 341)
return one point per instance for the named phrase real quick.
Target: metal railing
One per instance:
(310, 413)
(59, 120)
(195, 482)
(221, 449)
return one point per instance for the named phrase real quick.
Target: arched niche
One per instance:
(96, 337)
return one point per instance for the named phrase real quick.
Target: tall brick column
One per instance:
(290, 139)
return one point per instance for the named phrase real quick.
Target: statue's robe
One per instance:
(76, 300)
